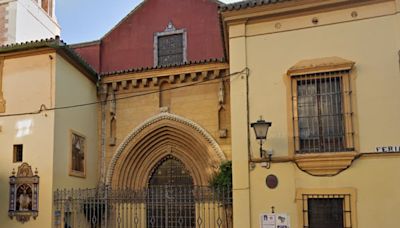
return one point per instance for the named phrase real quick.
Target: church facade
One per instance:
(132, 129)
(167, 77)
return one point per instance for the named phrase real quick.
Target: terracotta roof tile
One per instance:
(142, 69)
(249, 4)
(55, 43)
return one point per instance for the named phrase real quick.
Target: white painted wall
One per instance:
(33, 22)
(28, 21)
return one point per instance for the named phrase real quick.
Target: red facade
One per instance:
(131, 43)
(91, 53)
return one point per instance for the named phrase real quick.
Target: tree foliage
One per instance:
(223, 178)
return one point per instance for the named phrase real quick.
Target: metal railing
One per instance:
(161, 206)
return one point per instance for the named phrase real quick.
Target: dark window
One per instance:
(18, 151)
(320, 114)
(325, 213)
(170, 49)
(327, 210)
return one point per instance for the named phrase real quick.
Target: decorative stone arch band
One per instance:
(127, 148)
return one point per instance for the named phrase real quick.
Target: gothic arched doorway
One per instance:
(170, 200)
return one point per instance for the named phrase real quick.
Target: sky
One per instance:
(88, 20)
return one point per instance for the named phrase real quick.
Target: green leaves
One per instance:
(223, 178)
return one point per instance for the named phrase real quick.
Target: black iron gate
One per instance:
(170, 202)
(169, 206)
(161, 206)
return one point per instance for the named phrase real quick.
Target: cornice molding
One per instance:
(290, 8)
(322, 164)
(172, 75)
(327, 64)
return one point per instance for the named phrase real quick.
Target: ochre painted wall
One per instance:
(50, 80)
(71, 88)
(371, 41)
(25, 89)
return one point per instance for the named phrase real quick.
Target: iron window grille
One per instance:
(322, 112)
(170, 46)
(327, 211)
(170, 49)
(18, 153)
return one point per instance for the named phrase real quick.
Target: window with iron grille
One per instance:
(170, 46)
(18, 152)
(327, 211)
(170, 49)
(322, 112)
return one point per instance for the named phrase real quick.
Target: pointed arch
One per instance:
(163, 168)
(162, 135)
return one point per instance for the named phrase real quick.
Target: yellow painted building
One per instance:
(325, 73)
(33, 131)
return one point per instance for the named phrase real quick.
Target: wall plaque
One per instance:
(24, 194)
(271, 181)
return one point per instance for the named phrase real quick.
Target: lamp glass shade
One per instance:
(261, 128)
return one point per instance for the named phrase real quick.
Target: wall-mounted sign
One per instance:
(271, 181)
(24, 194)
(267, 221)
(388, 149)
(274, 220)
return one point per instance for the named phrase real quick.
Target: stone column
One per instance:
(2, 101)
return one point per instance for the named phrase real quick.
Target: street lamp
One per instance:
(261, 129)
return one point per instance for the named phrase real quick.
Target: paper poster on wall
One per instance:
(282, 221)
(274, 220)
(267, 220)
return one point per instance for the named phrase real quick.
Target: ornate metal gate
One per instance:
(171, 200)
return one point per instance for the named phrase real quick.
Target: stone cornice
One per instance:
(327, 64)
(322, 164)
(172, 75)
(289, 8)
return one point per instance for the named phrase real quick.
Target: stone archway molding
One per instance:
(153, 120)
